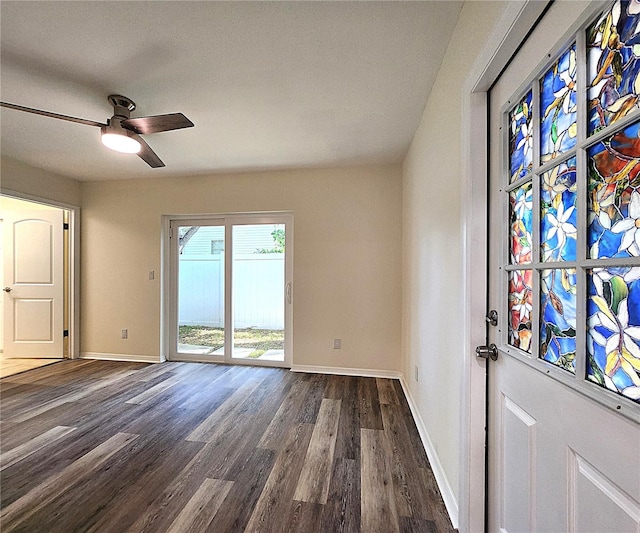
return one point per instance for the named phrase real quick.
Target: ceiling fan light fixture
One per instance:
(120, 140)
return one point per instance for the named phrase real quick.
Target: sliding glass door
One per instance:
(231, 290)
(201, 287)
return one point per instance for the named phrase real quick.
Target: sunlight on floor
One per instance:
(10, 366)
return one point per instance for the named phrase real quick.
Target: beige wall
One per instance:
(347, 257)
(433, 245)
(16, 176)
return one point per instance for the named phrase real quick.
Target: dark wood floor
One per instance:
(184, 447)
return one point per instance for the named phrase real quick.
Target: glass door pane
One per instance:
(201, 275)
(258, 292)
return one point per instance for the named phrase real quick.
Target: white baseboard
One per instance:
(121, 357)
(342, 371)
(450, 500)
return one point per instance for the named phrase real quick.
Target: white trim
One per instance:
(121, 357)
(516, 21)
(37, 199)
(343, 371)
(446, 490)
(220, 360)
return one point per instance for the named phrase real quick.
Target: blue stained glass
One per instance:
(558, 217)
(613, 64)
(558, 318)
(613, 333)
(558, 127)
(521, 138)
(614, 195)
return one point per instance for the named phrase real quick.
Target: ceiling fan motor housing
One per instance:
(122, 106)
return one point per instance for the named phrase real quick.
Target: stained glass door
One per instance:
(564, 276)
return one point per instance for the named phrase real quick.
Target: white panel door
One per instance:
(563, 452)
(33, 283)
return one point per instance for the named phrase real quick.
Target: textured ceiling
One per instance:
(269, 85)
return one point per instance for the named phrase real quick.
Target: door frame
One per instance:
(167, 279)
(517, 21)
(72, 292)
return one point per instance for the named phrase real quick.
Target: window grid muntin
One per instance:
(579, 380)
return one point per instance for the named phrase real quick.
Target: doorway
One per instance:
(553, 393)
(37, 278)
(230, 289)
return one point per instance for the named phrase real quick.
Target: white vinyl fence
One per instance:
(258, 291)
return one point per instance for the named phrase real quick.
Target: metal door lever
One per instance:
(487, 352)
(7, 289)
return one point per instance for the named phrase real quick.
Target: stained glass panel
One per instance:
(521, 138)
(558, 317)
(558, 127)
(558, 213)
(613, 64)
(614, 195)
(520, 306)
(521, 203)
(613, 340)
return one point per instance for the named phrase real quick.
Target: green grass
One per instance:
(260, 340)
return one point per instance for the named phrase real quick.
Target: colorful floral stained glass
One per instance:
(613, 332)
(521, 203)
(614, 195)
(520, 307)
(558, 318)
(613, 64)
(521, 138)
(558, 213)
(558, 107)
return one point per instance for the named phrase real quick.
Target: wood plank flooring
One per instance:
(10, 366)
(97, 446)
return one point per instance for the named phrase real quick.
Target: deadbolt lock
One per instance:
(492, 317)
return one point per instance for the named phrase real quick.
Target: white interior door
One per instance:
(33, 297)
(563, 415)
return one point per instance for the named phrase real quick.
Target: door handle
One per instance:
(7, 289)
(487, 352)
(289, 292)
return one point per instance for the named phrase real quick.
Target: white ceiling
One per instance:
(269, 85)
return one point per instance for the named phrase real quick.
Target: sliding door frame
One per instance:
(169, 281)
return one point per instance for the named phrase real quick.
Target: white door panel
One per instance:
(33, 278)
(559, 458)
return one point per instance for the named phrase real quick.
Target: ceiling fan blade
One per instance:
(147, 154)
(51, 115)
(157, 123)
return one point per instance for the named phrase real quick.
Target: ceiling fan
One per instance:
(122, 133)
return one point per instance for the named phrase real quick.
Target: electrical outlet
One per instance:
(152, 275)
(416, 372)
(125, 333)
(337, 344)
